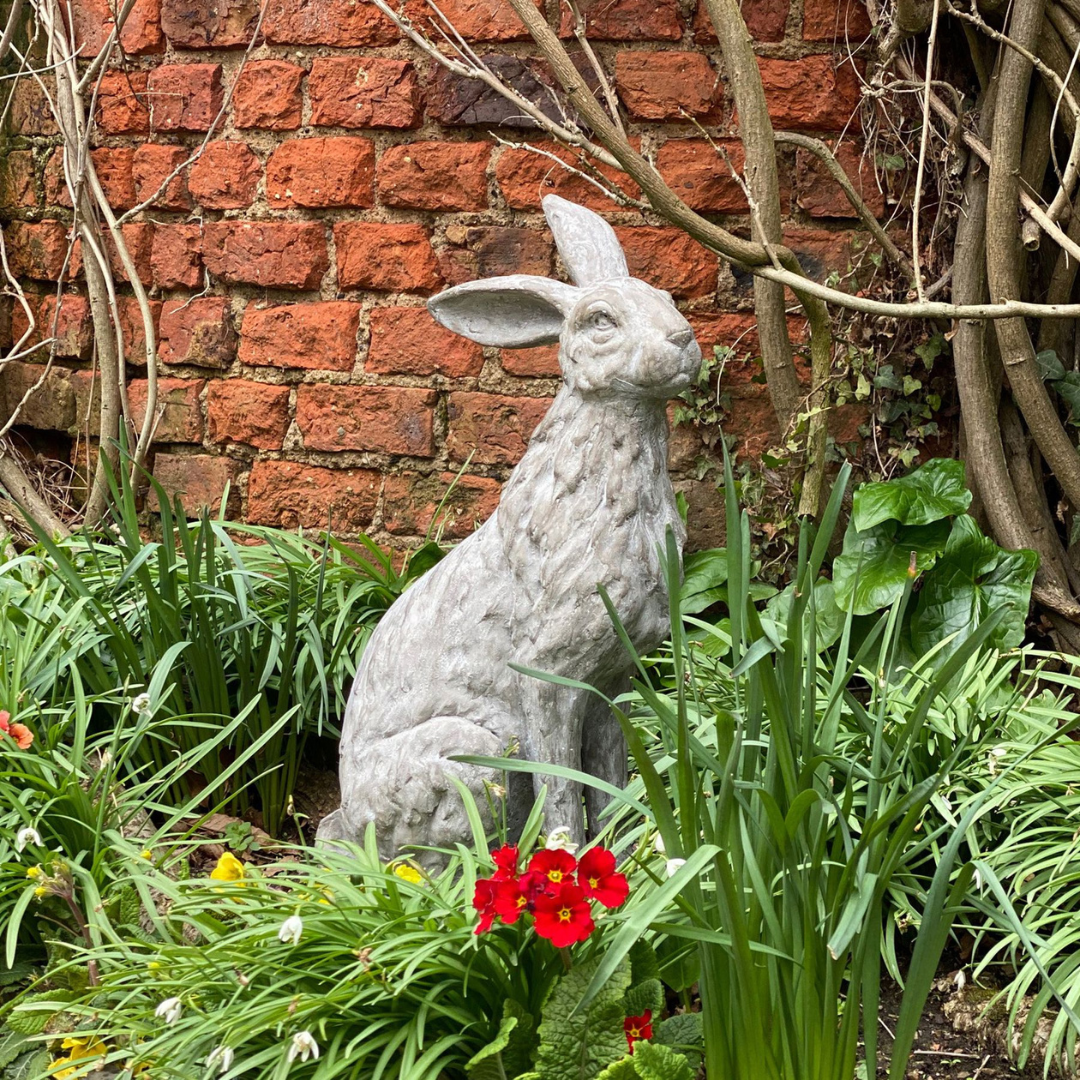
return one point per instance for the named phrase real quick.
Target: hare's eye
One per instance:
(601, 320)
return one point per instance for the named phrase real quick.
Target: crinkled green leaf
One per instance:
(653, 1061)
(30, 1066)
(12, 1044)
(873, 568)
(973, 578)
(33, 1013)
(580, 1045)
(487, 1064)
(684, 1033)
(933, 491)
(623, 1069)
(518, 1053)
(647, 994)
(643, 962)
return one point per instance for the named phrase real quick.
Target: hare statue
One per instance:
(589, 504)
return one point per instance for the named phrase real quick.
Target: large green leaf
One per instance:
(490, 1063)
(973, 578)
(645, 995)
(578, 1044)
(656, 1062)
(683, 1032)
(828, 617)
(873, 569)
(703, 573)
(933, 491)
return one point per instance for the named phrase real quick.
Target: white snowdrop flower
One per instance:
(303, 1046)
(658, 843)
(290, 930)
(170, 1010)
(559, 840)
(1000, 751)
(140, 705)
(977, 879)
(961, 979)
(221, 1057)
(673, 866)
(27, 836)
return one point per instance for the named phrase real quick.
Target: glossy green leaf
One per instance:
(933, 491)
(828, 617)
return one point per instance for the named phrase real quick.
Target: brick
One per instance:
(667, 85)
(765, 19)
(475, 20)
(540, 362)
(139, 240)
(31, 113)
(435, 176)
(525, 177)
(6, 303)
(292, 495)
(152, 165)
(17, 185)
(700, 176)
(197, 332)
(408, 341)
(706, 519)
(74, 332)
(94, 21)
(669, 259)
(50, 408)
(494, 250)
(345, 24)
(821, 252)
(114, 170)
(122, 103)
(455, 100)
(389, 258)
(225, 176)
(176, 257)
(184, 97)
(209, 24)
(87, 388)
(493, 428)
(410, 501)
(177, 415)
(282, 254)
(821, 196)
(753, 424)
(626, 20)
(37, 250)
(309, 336)
(829, 20)
(390, 419)
(738, 331)
(134, 329)
(811, 94)
(267, 94)
(252, 413)
(363, 92)
(330, 172)
(199, 479)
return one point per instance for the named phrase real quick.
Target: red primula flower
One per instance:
(564, 917)
(557, 866)
(22, 735)
(484, 902)
(638, 1028)
(505, 859)
(598, 877)
(510, 901)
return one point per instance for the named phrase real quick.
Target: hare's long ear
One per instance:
(512, 312)
(586, 242)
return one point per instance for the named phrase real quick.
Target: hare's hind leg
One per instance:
(603, 753)
(403, 784)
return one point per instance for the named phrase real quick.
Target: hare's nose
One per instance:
(681, 338)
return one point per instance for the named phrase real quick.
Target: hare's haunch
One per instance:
(588, 504)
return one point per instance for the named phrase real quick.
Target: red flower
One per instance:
(638, 1028)
(22, 735)
(510, 901)
(598, 877)
(505, 860)
(564, 917)
(557, 866)
(484, 902)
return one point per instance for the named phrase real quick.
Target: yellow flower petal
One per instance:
(229, 868)
(409, 873)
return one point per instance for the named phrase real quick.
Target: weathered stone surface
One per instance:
(408, 341)
(539, 362)
(389, 258)
(668, 85)
(267, 94)
(626, 20)
(36, 250)
(344, 24)
(209, 24)
(292, 495)
(698, 173)
(410, 502)
(113, 166)
(322, 173)
(198, 331)
(243, 411)
(493, 428)
(51, 407)
(828, 20)
(492, 251)
(133, 327)
(363, 92)
(286, 254)
(435, 176)
(393, 419)
(456, 100)
(31, 113)
(309, 336)
(225, 176)
(765, 19)
(71, 331)
(184, 97)
(17, 185)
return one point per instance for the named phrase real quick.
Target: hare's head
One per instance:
(617, 335)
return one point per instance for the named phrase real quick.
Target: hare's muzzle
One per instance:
(681, 338)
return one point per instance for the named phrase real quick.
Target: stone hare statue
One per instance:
(589, 504)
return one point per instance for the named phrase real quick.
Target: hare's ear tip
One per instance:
(555, 202)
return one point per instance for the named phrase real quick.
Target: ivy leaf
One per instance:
(1068, 390)
(655, 1062)
(933, 491)
(973, 578)
(873, 568)
(580, 1045)
(1050, 367)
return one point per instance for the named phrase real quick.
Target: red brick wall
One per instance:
(349, 179)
